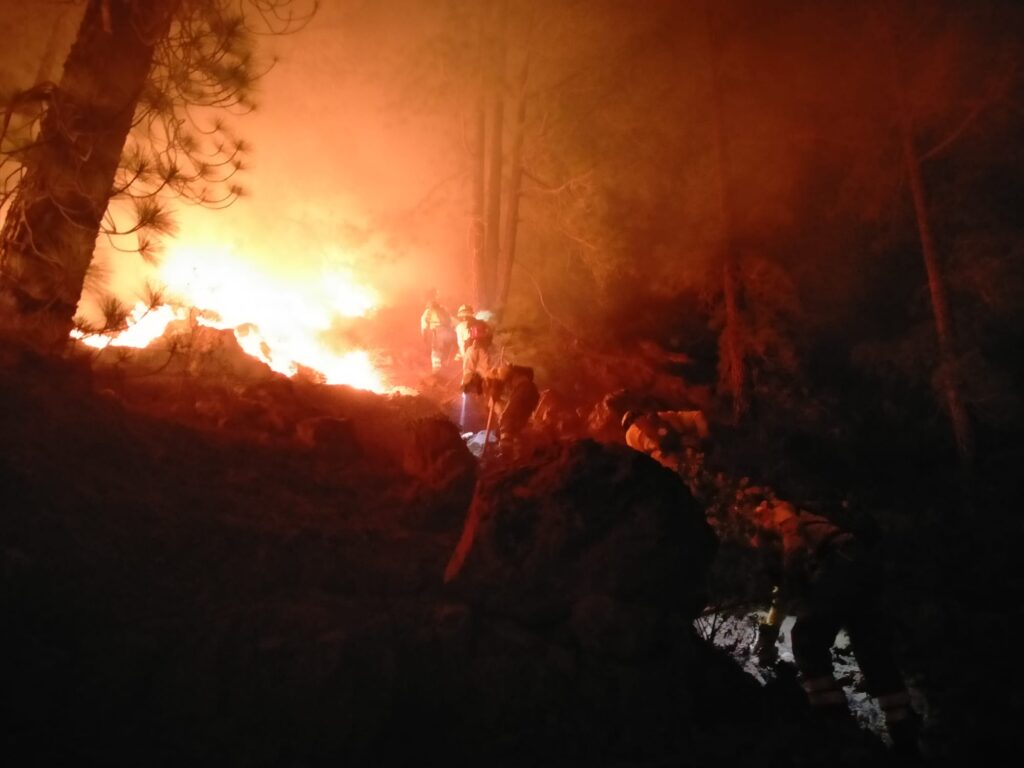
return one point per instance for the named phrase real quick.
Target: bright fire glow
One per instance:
(281, 320)
(144, 325)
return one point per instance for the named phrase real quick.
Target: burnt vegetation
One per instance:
(801, 219)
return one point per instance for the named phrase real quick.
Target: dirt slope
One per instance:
(181, 592)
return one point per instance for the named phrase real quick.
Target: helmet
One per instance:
(465, 311)
(628, 418)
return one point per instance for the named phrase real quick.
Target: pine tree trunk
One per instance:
(496, 96)
(514, 187)
(948, 373)
(732, 364)
(477, 159)
(50, 232)
(948, 377)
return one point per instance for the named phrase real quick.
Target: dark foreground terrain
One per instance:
(253, 576)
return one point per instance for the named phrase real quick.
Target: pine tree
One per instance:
(128, 120)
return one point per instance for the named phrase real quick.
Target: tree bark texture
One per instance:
(50, 232)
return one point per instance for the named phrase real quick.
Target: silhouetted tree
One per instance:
(515, 182)
(127, 120)
(731, 361)
(929, 121)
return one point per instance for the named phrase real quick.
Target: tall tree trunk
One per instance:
(477, 268)
(515, 180)
(496, 96)
(732, 362)
(477, 159)
(948, 371)
(50, 232)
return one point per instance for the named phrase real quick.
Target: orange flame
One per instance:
(281, 320)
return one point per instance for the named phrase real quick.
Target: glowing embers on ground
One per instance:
(285, 321)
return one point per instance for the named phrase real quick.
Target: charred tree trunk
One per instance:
(732, 363)
(496, 96)
(948, 375)
(50, 232)
(515, 181)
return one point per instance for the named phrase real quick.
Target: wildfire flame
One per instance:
(280, 320)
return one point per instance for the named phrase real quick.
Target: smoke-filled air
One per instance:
(511, 382)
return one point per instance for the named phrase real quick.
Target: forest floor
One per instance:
(189, 575)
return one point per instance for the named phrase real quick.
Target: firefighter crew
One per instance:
(436, 329)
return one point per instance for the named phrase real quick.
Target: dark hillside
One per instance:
(177, 594)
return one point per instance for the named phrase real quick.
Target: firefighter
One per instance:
(465, 315)
(477, 362)
(514, 397)
(672, 438)
(437, 332)
(828, 583)
(824, 577)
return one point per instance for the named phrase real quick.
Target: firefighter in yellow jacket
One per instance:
(436, 330)
(477, 345)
